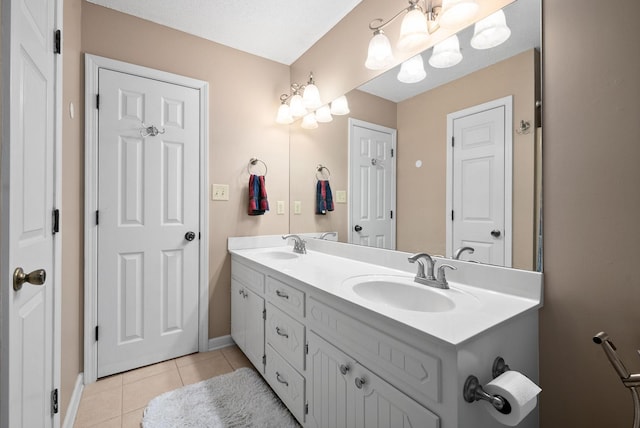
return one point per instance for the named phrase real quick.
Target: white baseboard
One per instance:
(74, 403)
(220, 342)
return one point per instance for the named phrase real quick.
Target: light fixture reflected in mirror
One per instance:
(323, 114)
(412, 70)
(446, 53)
(457, 12)
(340, 106)
(304, 101)
(490, 31)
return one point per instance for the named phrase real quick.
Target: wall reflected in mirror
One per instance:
(419, 113)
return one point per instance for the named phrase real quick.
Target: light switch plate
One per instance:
(341, 196)
(280, 207)
(219, 192)
(297, 207)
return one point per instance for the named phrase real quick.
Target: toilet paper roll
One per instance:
(519, 391)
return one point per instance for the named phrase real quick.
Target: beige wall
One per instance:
(591, 132)
(422, 129)
(329, 145)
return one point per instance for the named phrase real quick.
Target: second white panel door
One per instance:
(148, 217)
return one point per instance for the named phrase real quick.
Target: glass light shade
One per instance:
(323, 114)
(340, 106)
(296, 106)
(490, 31)
(412, 70)
(309, 121)
(379, 55)
(457, 12)
(446, 53)
(284, 115)
(311, 97)
(414, 33)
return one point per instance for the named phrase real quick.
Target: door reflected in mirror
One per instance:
(419, 113)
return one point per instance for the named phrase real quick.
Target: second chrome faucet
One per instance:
(427, 276)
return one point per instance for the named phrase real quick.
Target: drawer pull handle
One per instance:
(360, 382)
(344, 368)
(280, 380)
(281, 333)
(282, 294)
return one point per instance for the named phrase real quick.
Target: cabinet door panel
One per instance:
(329, 392)
(380, 405)
(254, 341)
(237, 315)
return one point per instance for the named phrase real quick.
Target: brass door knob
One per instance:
(37, 277)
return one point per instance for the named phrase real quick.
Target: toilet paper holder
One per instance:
(473, 390)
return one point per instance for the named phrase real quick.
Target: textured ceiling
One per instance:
(280, 30)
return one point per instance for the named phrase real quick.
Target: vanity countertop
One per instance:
(332, 274)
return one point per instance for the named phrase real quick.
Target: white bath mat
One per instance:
(238, 399)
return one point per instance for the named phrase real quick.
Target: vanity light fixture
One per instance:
(490, 31)
(417, 26)
(446, 53)
(304, 102)
(412, 70)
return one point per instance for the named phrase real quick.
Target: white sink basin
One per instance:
(278, 255)
(403, 293)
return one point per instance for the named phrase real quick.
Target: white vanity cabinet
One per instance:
(247, 312)
(343, 393)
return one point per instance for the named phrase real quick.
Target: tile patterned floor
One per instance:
(118, 401)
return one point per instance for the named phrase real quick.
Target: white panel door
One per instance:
(148, 203)
(28, 180)
(479, 185)
(372, 184)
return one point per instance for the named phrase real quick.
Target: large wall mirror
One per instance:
(420, 113)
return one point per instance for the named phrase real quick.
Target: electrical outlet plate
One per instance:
(280, 207)
(297, 207)
(219, 192)
(341, 196)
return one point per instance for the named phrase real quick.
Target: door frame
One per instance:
(92, 65)
(394, 142)
(5, 221)
(507, 103)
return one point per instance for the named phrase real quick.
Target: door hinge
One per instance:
(264, 360)
(451, 215)
(98, 101)
(306, 348)
(57, 42)
(306, 408)
(97, 217)
(54, 401)
(199, 236)
(96, 333)
(264, 314)
(391, 214)
(392, 151)
(56, 222)
(453, 142)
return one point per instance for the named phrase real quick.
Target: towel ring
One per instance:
(253, 162)
(319, 170)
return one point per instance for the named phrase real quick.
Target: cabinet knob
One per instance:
(281, 333)
(360, 382)
(281, 380)
(344, 368)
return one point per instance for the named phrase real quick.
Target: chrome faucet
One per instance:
(298, 244)
(325, 234)
(459, 251)
(429, 278)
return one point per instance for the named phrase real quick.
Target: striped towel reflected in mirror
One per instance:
(324, 198)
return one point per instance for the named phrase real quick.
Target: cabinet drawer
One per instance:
(247, 276)
(284, 296)
(286, 382)
(411, 370)
(286, 335)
